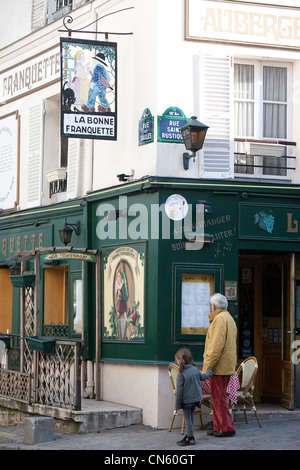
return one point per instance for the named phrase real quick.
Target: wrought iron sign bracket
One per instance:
(69, 20)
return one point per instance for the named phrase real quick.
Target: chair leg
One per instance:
(172, 421)
(255, 412)
(182, 427)
(254, 409)
(201, 420)
(245, 414)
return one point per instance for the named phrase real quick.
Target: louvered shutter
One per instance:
(35, 155)
(216, 111)
(39, 13)
(73, 164)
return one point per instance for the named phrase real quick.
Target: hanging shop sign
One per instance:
(88, 89)
(169, 124)
(146, 128)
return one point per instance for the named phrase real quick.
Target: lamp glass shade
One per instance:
(65, 234)
(193, 134)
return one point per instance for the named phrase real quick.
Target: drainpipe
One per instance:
(89, 391)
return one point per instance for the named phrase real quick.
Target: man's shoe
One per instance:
(223, 433)
(211, 432)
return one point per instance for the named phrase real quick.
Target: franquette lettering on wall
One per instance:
(17, 244)
(30, 75)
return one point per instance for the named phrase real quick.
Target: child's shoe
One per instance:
(187, 441)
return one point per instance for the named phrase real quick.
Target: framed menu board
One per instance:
(195, 302)
(193, 285)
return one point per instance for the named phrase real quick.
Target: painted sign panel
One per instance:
(269, 221)
(30, 75)
(124, 286)
(24, 239)
(88, 89)
(146, 128)
(9, 143)
(243, 22)
(169, 124)
(63, 255)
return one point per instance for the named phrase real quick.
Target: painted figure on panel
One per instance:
(99, 83)
(124, 279)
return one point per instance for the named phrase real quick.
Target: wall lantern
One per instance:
(193, 134)
(66, 232)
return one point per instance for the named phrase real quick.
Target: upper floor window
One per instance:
(262, 112)
(58, 8)
(63, 3)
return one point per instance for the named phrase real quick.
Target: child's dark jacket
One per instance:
(188, 387)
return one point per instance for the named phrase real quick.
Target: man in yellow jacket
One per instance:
(220, 356)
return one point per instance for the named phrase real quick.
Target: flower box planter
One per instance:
(22, 280)
(43, 344)
(56, 174)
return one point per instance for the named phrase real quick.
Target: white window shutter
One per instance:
(35, 154)
(73, 165)
(39, 13)
(216, 111)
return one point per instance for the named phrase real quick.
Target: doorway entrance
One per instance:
(266, 322)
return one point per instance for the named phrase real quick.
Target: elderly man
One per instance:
(220, 357)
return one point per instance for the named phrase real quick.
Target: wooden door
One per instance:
(56, 296)
(287, 318)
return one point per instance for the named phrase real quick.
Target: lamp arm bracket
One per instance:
(186, 159)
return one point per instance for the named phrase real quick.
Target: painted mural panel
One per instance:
(123, 292)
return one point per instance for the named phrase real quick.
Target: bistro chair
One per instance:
(173, 370)
(247, 371)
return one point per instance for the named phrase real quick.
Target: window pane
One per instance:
(275, 79)
(244, 119)
(243, 163)
(275, 121)
(244, 99)
(275, 102)
(77, 306)
(274, 166)
(244, 82)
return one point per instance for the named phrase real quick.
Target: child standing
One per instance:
(188, 391)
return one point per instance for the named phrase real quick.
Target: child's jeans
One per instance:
(188, 414)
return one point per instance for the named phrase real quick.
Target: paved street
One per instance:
(275, 434)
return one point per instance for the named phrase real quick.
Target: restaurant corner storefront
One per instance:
(165, 246)
(155, 285)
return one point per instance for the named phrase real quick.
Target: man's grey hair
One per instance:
(219, 301)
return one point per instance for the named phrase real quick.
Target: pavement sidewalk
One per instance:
(275, 434)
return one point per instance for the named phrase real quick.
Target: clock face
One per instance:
(176, 207)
